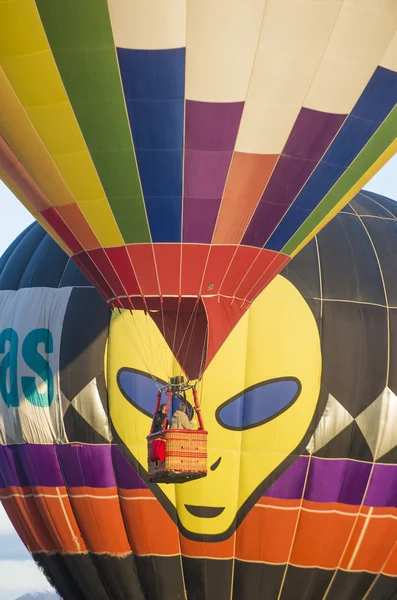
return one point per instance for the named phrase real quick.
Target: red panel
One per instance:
(86, 265)
(223, 315)
(242, 261)
(60, 227)
(219, 260)
(263, 262)
(142, 258)
(107, 270)
(122, 265)
(168, 261)
(274, 269)
(194, 258)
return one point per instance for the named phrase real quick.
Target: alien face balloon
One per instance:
(299, 403)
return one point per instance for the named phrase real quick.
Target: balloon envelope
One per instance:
(183, 150)
(299, 403)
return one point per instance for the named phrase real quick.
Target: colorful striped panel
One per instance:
(81, 40)
(373, 107)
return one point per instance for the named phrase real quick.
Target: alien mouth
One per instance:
(205, 512)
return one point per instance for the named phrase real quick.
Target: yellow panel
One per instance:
(22, 138)
(101, 220)
(31, 70)
(277, 338)
(154, 25)
(377, 165)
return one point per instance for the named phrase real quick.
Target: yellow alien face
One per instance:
(258, 398)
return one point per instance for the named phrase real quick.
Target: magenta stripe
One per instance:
(310, 137)
(210, 135)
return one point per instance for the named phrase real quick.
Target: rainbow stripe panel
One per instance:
(128, 124)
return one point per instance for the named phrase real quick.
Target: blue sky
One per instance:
(18, 573)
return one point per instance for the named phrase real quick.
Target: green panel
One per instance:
(379, 142)
(80, 35)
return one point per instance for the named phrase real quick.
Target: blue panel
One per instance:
(351, 139)
(375, 103)
(163, 70)
(73, 277)
(7, 254)
(164, 215)
(35, 260)
(156, 105)
(258, 404)
(46, 266)
(14, 268)
(156, 124)
(379, 97)
(161, 172)
(140, 390)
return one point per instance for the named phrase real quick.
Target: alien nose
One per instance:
(216, 464)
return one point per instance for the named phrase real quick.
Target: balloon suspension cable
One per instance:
(132, 336)
(156, 410)
(178, 387)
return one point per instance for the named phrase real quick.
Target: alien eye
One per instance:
(259, 403)
(141, 391)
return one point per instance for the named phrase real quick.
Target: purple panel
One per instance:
(212, 126)
(312, 134)
(11, 469)
(40, 463)
(309, 139)
(382, 490)
(210, 135)
(203, 211)
(205, 173)
(87, 465)
(290, 485)
(127, 479)
(337, 481)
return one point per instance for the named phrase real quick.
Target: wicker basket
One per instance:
(185, 456)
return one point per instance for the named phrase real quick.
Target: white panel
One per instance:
(24, 311)
(293, 40)
(378, 424)
(362, 34)
(221, 41)
(148, 24)
(389, 60)
(334, 420)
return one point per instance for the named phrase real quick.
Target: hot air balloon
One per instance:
(300, 402)
(182, 152)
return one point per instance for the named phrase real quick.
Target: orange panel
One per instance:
(54, 506)
(78, 224)
(98, 512)
(248, 176)
(266, 534)
(149, 528)
(376, 545)
(321, 538)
